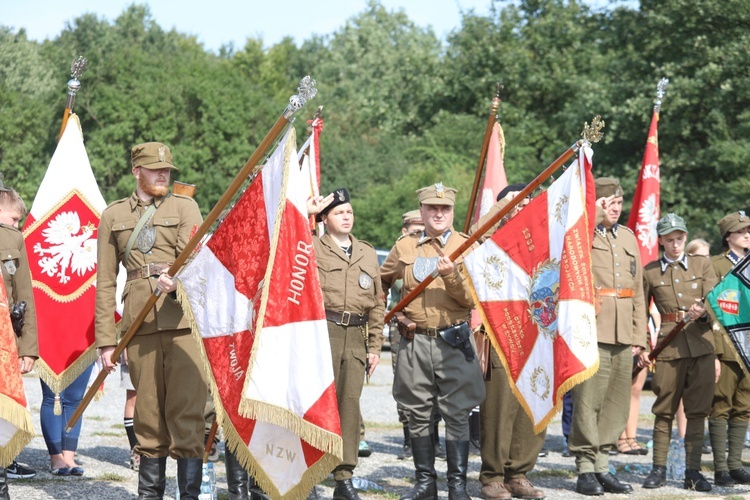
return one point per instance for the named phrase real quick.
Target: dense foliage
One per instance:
(404, 108)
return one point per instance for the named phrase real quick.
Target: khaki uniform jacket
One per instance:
(445, 301)
(18, 286)
(675, 287)
(722, 265)
(352, 284)
(174, 220)
(616, 263)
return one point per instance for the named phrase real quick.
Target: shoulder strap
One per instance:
(138, 227)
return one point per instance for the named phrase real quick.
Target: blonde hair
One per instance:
(695, 246)
(12, 200)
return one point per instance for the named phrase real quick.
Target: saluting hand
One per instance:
(316, 204)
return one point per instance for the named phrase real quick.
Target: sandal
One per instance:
(629, 446)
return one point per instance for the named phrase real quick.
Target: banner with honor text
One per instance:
(254, 299)
(534, 286)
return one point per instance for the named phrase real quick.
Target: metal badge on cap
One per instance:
(162, 154)
(440, 190)
(340, 195)
(671, 219)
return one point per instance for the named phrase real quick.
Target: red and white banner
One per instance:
(645, 211)
(16, 427)
(494, 173)
(255, 302)
(60, 234)
(533, 282)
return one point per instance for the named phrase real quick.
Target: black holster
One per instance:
(18, 316)
(458, 336)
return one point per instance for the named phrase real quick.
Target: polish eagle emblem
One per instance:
(71, 248)
(648, 216)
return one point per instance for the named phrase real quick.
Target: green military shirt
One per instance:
(17, 278)
(352, 283)
(616, 264)
(175, 219)
(674, 287)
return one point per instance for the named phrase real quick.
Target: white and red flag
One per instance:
(16, 427)
(645, 211)
(254, 300)
(494, 173)
(533, 282)
(60, 234)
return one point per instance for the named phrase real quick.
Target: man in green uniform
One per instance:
(146, 232)
(509, 446)
(17, 279)
(687, 368)
(437, 365)
(731, 405)
(354, 303)
(601, 403)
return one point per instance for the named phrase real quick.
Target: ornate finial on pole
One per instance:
(77, 67)
(593, 133)
(305, 92)
(661, 89)
(496, 100)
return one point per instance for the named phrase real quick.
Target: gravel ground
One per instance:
(103, 453)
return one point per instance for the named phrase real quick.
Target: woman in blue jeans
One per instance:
(62, 445)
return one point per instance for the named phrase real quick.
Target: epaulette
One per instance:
(183, 196)
(117, 202)
(367, 243)
(620, 226)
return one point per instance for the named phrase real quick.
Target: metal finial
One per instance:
(305, 92)
(593, 133)
(661, 89)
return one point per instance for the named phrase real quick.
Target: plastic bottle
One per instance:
(212, 480)
(363, 484)
(205, 493)
(612, 470)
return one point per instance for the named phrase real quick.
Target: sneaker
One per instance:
(364, 449)
(135, 460)
(18, 471)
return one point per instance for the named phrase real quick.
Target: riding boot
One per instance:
(152, 478)
(457, 453)
(423, 453)
(236, 477)
(189, 477)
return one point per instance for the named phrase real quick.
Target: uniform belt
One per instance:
(622, 293)
(347, 318)
(151, 269)
(673, 317)
(434, 332)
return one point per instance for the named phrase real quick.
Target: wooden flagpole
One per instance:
(77, 67)
(306, 91)
(483, 155)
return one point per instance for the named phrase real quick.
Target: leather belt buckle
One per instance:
(146, 270)
(432, 332)
(346, 317)
(679, 316)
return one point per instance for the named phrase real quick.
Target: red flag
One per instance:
(494, 173)
(535, 289)
(645, 211)
(256, 305)
(16, 428)
(61, 244)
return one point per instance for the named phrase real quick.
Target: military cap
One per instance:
(151, 155)
(412, 217)
(733, 222)
(340, 196)
(607, 186)
(519, 186)
(670, 223)
(2, 185)
(437, 194)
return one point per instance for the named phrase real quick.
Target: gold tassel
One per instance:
(58, 407)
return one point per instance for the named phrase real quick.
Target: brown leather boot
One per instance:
(520, 487)
(495, 491)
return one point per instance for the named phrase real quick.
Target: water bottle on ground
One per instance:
(362, 484)
(205, 493)
(212, 480)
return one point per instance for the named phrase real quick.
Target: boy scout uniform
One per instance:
(429, 370)
(730, 412)
(17, 278)
(601, 404)
(353, 299)
(163, 358)
(685, 368)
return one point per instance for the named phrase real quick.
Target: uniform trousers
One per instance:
(689, 379)
(431, 373)
(600, 409)
(509, 446)
(349, 357)
(167, 372)
(732, 395)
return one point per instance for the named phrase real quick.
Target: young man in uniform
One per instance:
(437, 365)
(731, 405)
(687, 368)
(353, 299)
(509, 446)
(146, 232)
(601, 403)
(17, 279)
